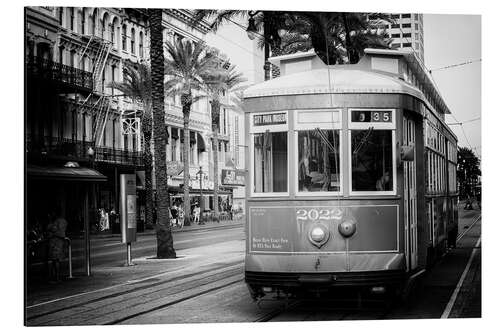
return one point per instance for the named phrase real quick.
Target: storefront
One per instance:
(62, 191)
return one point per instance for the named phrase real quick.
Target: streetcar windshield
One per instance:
(270, 162)
(318, 162)
(371, 153)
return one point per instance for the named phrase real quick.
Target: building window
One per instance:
(406, 44)
(61, 15)
(406, 16)
(395, 16)
(113, 78)
(61, 55)
(132, 41)
(94, 23)
(416, 26)
(141, 44)
(396, 35)
(395, 26)
(124, 37)
(406, 25)
(406, 35)
(72, 18)
(82, 23)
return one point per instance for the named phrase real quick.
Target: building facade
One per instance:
(407, 33)
(72, 115)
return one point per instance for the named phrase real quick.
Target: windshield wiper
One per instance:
(363, 140)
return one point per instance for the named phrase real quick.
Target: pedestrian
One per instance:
(56, 236)
(173, 212)
(180, 214)
(196, 213)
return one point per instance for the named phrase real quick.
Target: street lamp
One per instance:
(200, 173)
(251, 29)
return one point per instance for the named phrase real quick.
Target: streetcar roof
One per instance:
(305, 73)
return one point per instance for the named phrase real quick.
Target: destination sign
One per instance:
(269, 119)
(371, 117)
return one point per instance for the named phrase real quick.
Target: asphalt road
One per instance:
(205, 285)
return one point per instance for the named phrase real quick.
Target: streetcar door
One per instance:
(410, 197)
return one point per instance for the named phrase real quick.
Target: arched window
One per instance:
(72, 18)
(124, 37)
(104, 27)
(141, 44)
(132, 41)
(82, 23)
(113, 33)
(94, 22)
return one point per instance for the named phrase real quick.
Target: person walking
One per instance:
(196, 214)
(56, 237)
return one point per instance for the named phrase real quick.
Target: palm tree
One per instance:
(165, 244)
(323, 31)
(137, 85)
(186, 65)
(216, 86)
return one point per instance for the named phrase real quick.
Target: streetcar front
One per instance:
(326, 202)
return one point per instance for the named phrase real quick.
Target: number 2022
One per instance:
(321, 214)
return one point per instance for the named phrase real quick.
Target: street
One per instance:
(205, 284)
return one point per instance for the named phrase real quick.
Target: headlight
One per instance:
(347, 228)
(318, 234)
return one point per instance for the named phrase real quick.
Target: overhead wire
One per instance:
(436, 86)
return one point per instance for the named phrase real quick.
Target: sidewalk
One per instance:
(193, 227)
(105, 277)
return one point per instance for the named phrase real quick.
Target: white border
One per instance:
(322, 252)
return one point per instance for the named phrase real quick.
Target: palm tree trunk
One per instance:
(148, 166)
(165, 243)
(186, 110)
(215, 128)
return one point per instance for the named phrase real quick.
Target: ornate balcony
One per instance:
(77, 149)
(54, 71)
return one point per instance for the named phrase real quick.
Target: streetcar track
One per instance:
(134, 289)
(163, 306)
(477, 218)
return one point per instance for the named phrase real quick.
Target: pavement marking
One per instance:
(453, 298)
(469, 228)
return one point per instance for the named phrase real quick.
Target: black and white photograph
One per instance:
(216, 163)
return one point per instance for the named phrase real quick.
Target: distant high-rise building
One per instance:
(407, 33)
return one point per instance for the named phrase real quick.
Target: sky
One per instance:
(449, 40)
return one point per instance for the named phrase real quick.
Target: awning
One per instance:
(201, 143)
(78, 174)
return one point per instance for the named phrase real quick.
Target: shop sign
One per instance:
(174, 168)
(269, 119)
(233, 177)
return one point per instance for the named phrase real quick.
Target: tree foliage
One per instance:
(468, 170)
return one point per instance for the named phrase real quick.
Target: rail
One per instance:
(51, 70)
(79, 148)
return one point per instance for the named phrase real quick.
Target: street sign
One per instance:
(233, 177)
(128, 211)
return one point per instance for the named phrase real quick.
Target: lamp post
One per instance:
(200, 173)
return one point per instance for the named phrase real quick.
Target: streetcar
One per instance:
(351, 175)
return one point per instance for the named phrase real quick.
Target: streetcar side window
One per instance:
(270, 162)
(372, 160)
(318, 161)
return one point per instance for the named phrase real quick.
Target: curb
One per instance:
(210, 226)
